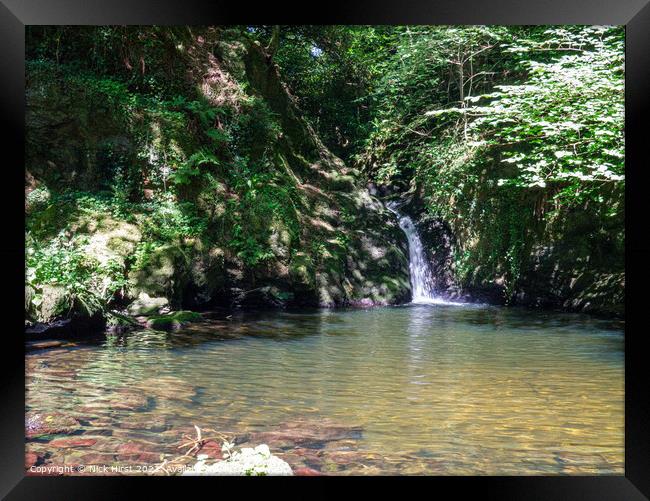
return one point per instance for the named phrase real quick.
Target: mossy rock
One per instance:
(146, 305)
(30, 293)
(109, 239)
(118, 323)
(161, 276)
(37, 199)
(206, 278)
(55, 302)
(301, 269)
(174, 320)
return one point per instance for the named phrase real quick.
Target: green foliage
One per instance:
(37, 199)
(256, 129)
(565, 123)
(62, 258)
(190, 169)
(505, 133)
(433, 67)
(62, 261)
(263, 198)
(210, 167)
(332, 70)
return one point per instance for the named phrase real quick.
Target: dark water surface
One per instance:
(416, 389)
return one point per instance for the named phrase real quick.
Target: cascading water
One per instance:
(422, 284)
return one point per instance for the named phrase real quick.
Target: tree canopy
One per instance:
(513, 136)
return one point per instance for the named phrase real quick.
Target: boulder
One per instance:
(117, 323)
(110, 240)
(56, 301)
(147, 305)
(162, 276)
(174, 320)
(207, 278)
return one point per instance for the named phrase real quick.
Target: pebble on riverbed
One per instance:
(32, 459)
(49, 423)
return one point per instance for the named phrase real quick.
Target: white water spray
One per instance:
(422, 284)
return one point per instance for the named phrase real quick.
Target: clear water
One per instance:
(416, 389)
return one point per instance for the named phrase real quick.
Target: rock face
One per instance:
(56, 301)
(343, 248)
(248, 462)
(162, 277)
(566, 265)
(438, 241)
(349, 251)
(558, 276)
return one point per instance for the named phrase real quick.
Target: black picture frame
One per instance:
(634, 14)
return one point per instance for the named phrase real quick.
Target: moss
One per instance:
(158, 276)
(117, 323)
(174, 320)
(111, 239)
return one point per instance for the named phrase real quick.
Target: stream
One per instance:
(414, 389)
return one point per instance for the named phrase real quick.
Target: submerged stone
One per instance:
(137, 451)
(305, 471)
(212, 449)
(128, 400)
(52, 423)
(31, 459)
(168, 387)
(41, 345)
(64, 443)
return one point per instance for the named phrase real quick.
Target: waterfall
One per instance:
(422, 284)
